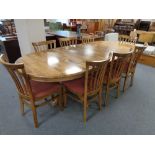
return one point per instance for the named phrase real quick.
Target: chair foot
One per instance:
(125, 82)
(35, 117)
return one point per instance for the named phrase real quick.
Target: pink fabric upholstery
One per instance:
(76, 86)
(41, 89)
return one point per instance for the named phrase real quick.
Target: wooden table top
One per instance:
(67, 63)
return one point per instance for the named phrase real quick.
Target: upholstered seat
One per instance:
(30, 91)
(89, 86)
(76, 86)
(41, 89)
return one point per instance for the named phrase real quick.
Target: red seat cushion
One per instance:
(76, 86)
(41, 89)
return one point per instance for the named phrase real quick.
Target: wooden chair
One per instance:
(130, 66)
(113, 73)
(44, 45)
(87, 88)
(30, 91)
(87, 39)
(67, 41)
(126, 39)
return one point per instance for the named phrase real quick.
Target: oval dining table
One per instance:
(68, 63)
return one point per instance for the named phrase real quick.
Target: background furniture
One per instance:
(111, 37)
(148, 56)
(10, 47)
(124, 26)
(144, 25)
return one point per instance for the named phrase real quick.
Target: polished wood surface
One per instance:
(67, 63)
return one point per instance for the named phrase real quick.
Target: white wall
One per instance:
(28, 31)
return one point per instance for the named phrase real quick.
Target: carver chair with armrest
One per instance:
(130, 66)
(113, 74)
(29, 91)
(88, 87)
(44, 45)
(67, 41)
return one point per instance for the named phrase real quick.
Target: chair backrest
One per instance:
(99, 33)
(127, 39)
(44, 45)
(134, 59)
(94, 76)
(19, 76)
(87, 39)
(111, 37)
(67, 41)
(116, 66)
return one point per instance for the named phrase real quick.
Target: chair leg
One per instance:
(118, 89)
(21, 105)
(100, 100)
(107, 95)
(85, 111)
(60, 102)
(125, 82)
(35, 116)
(131, 82)
(64, 97)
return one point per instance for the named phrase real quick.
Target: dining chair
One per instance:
(29, 91)
(88, 87)
(67, 41)
(87, 39)
(130, 66)
(113, 74)
(127, 39)
(44, 45)
(111, 37)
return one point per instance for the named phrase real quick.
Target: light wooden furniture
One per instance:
(146, 36)
(147, 60)
(130, 66)
(67, 41)
(113, 73)
(126, 39)
(44, 45)
(68, 63)
(29, 91)
(148, 56)
(89, 87)
(86, 40)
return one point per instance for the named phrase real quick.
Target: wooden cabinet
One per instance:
(92, 27)
(10, 47)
